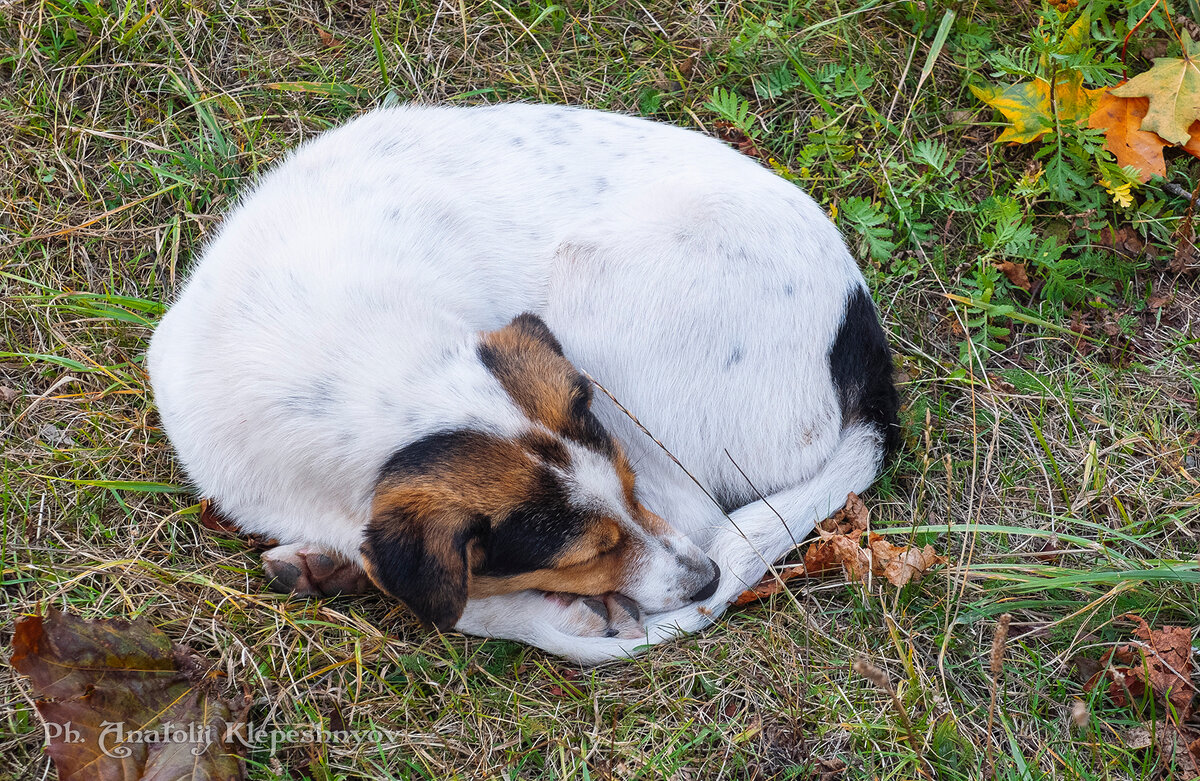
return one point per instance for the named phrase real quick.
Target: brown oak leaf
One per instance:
(852, 518)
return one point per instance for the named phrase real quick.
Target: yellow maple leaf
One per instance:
(1028, 108)
(1173, 87)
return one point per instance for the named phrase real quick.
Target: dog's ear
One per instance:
(535, 328)
(421, 556)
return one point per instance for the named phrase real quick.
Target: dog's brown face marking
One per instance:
(469, 513)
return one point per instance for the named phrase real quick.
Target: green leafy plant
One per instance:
(733, 109)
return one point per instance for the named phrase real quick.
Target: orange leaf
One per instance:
(1121, 120)
(770, 585)
(1192, 147)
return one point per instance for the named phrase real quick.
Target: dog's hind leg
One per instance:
(310, 571)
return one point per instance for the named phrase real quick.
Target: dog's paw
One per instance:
(610, 615)
(311, 572)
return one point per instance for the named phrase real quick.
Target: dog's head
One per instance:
(464, 512)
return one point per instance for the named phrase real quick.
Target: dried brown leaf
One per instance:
(88, 674)
(1166, 670)
(213, 521)
(851, 556)
(1016, 273)
(1179, 748)
(731, 134)
(902, 565)
(328, 39)
(852, 519)
(771, 584)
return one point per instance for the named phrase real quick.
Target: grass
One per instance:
(1059, 474)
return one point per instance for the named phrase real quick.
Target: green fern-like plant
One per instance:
(866, 218)
(732, 108)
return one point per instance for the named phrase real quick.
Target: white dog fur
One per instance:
(703, 291)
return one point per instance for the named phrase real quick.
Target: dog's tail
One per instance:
(756, 536)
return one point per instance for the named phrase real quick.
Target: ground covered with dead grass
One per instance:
(1051, 447)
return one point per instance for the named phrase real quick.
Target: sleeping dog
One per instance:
(386, 358)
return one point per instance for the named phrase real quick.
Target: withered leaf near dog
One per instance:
(770, 585)
(851, 520)
(120, 701)
(901, 565)
(840, 549)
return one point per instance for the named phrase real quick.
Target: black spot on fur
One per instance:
(434, 451)
(533, 535)
(548, 450)
(591, 434)
(315, 398)
(861, 366)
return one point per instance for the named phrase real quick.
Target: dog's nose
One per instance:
(711, 587)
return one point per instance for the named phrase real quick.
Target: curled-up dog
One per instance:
(383, 360)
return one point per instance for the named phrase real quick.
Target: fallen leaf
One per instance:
(853, 517)
(1173, 88)
(1086, 668)
(1192, 147)
(840, 549)
(91, 674)
(1137, 738)
(1158, 301)
(1124, 239)
(851, 556)
(771, 584)
(1049, 549)
(827, 769)
(1178, 747)
(1121, 120)
(820, 559)
(328, 38)
(731, 134)
(1027, 105)
(1016, 273)
(213, 521)
(1166, 670)
(899, 565)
